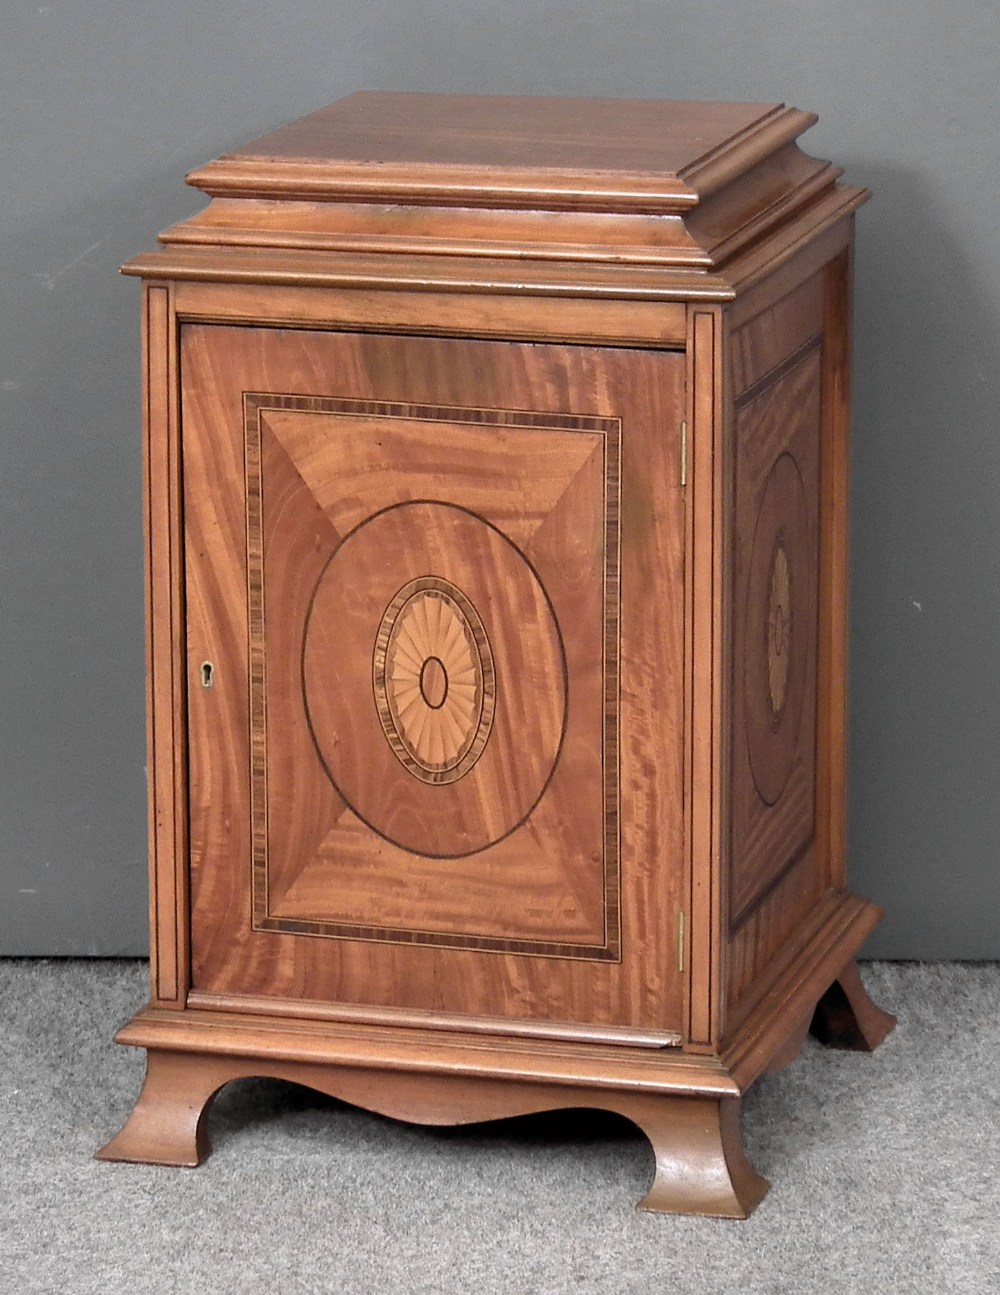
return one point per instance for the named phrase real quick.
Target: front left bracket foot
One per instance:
(168, 1124)
(700, 1164)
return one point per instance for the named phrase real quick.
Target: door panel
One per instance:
(440, 585)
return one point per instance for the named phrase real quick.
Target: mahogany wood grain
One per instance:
(699, 1165)
(723, 224)
(166, 736)
(790, 1050)
(772, 775)
(784, 325)
(686, 1104)
(422, 837)
(496, 622)
(398, 229)
(532, 475)
(705, 612)
(798, 259)
(777, 871)
(814, 234)
(817, 234)
(504, 152)
(834, 557)
(551, 281)
(800, 975)
(510, 318)
(168, 1125)
(398, 179)
(466, 1023)
(406, 1048)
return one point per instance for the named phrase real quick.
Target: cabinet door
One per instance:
(439, 585)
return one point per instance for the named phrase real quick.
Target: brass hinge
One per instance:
(680, 941)
(684, 453)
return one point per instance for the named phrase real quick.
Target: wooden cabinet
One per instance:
(496, 496)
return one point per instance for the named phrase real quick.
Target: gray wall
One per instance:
(103, 107)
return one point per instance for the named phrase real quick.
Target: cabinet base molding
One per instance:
(687, 1105)
(700, 1167)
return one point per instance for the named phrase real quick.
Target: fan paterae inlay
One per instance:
(434, 680)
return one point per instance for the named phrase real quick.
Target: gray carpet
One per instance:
(885, 1172)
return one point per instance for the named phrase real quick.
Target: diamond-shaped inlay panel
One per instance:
(416, 831)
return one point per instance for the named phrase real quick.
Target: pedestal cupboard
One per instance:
(496, 473)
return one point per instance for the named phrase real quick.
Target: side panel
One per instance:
(779, 823)
(439, 583)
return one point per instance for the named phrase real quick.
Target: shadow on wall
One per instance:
(925, 689)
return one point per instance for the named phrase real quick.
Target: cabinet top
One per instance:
(577, 197)
(484, 150)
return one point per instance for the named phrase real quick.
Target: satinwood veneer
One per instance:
(496, 497)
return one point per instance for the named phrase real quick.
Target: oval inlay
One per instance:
(779, 628)
(452, 780)
(433, 677)
(777, 634)
(434, 683)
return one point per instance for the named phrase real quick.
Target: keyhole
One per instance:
(207, 673)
